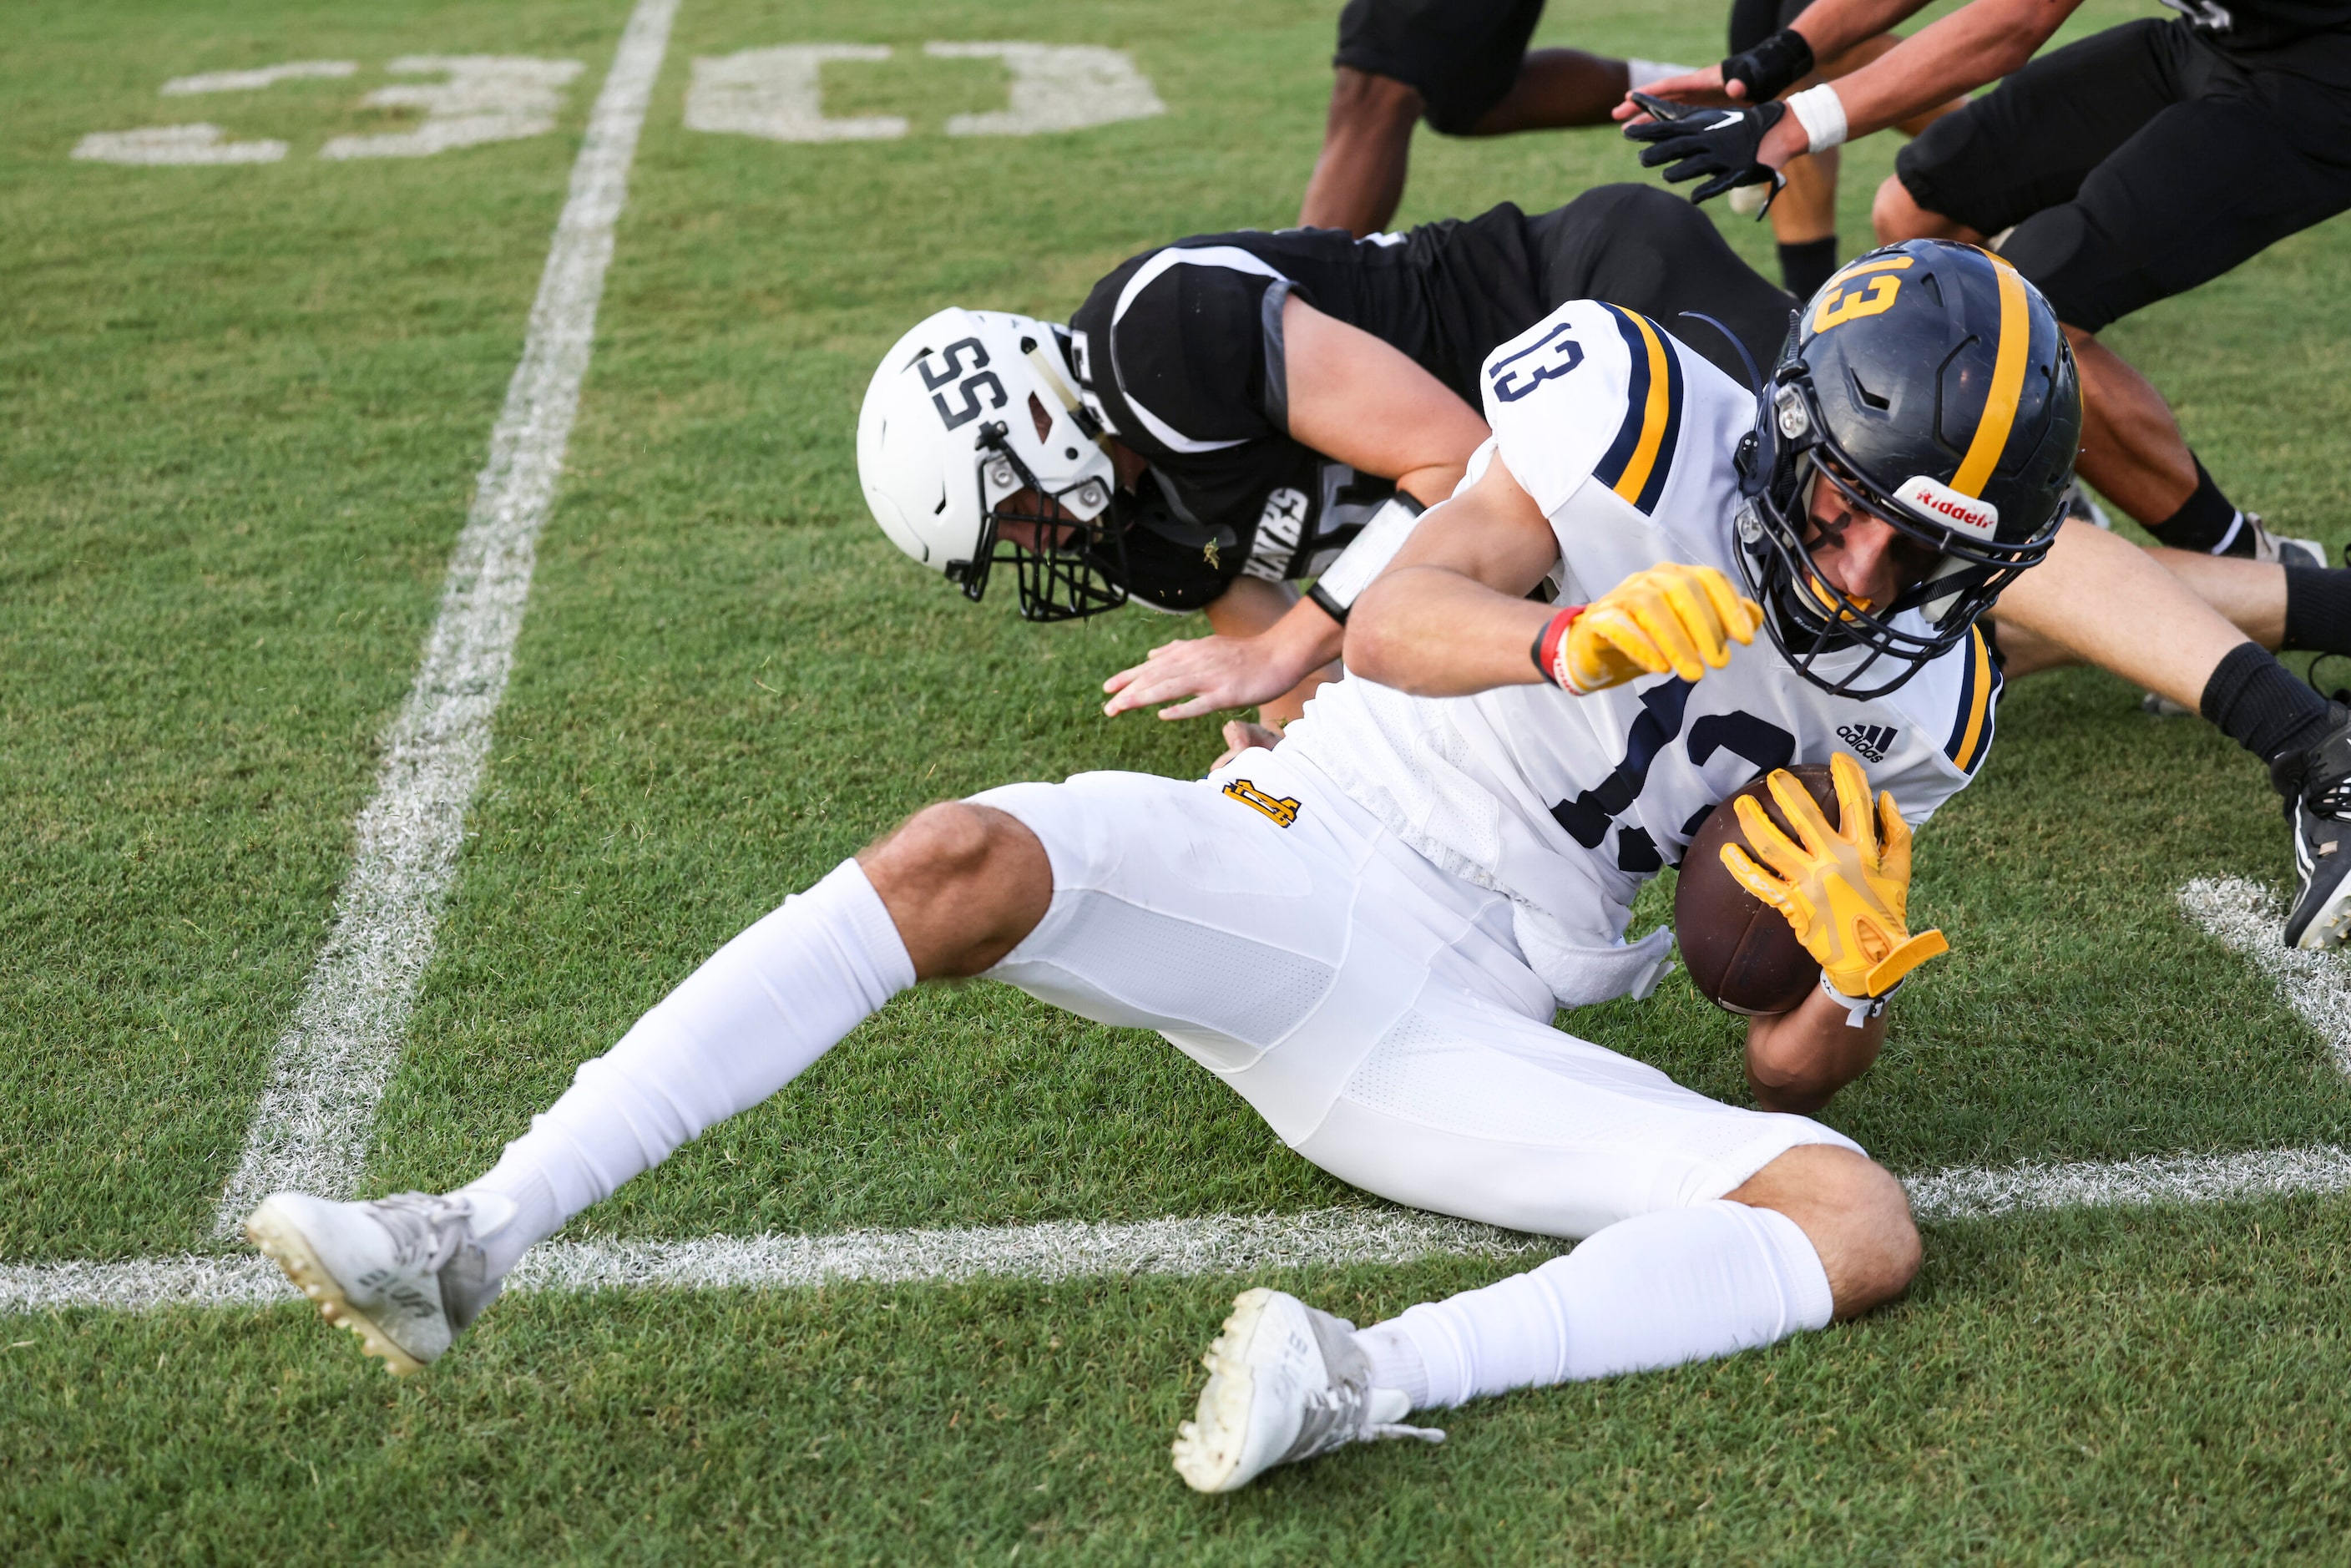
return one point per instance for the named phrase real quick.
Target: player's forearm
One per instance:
(1304, 641)
(1436, 632)
(1798, 1059)
(1833, 26)
(1979, 44)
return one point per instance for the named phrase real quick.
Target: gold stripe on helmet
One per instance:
(2006, 382)
(1653, 416)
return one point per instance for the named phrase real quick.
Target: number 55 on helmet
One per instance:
(974, 448)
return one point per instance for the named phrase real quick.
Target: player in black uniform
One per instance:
(2113, 172)
(1461, 65)
(1803, 214)
(1260, 396)
(2133, 166)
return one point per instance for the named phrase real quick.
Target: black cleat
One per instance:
(2316, 785)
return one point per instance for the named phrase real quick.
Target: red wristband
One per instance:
(1551, 648)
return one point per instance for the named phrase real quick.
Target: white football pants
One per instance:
(1373, 1009)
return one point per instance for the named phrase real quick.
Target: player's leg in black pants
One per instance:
(2134, 165)
(1649, 250)
(1463, 66)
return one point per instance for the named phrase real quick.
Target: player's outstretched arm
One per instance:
(1826, 29)
(1979, 43)
(1450, 616)
(1241, 666)
(1355, 398)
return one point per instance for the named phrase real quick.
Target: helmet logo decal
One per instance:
(1840, 304)
(1941, 504)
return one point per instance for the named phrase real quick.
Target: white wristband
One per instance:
(1859, 1010)
(1822, 114)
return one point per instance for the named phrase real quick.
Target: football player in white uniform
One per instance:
(1367, 932)
(1201, 435)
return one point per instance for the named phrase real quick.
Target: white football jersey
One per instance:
(1625, 440)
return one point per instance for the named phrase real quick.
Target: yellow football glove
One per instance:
(1844, 889)
(1669, 617)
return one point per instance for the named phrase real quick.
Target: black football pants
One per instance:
(2136, 164)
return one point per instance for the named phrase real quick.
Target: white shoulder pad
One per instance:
(1592, 391)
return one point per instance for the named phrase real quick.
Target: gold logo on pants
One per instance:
(1281, 811)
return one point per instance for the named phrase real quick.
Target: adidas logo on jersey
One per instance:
(1872, 741)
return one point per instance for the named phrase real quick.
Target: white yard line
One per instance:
(1979, 1194)
(311, 1128)
(1071, 1249)
(2245, 916)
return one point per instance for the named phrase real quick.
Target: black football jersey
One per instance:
(1179, 352)
(2281, 34)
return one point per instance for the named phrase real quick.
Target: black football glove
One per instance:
(1771, 67)
(1699, 142)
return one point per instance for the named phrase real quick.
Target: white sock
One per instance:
(1395, 1362)
(741, 1026)
(1681, 1285)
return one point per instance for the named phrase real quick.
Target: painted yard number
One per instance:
(479, 98)
(776, 94)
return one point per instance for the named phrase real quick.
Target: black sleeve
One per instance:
(1191, 352)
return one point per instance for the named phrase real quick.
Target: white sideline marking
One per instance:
(2245, 916)
(1072, 1249)
(1979, 1194)
(1057, 1251)
(311, 1127)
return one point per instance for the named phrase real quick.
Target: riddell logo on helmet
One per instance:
(1937, 502)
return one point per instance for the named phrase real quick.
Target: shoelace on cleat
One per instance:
(424, 1229)
(1335, 1418)
(2334, 801)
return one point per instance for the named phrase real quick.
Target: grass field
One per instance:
(241, 412)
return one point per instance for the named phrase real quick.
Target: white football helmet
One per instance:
(972, 447)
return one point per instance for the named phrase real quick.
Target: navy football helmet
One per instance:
(1932, 386)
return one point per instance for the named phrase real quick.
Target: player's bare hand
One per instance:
(1669, 617)
(1846, 889)
(1699, 88)
(1207, 673)
(1241, 735)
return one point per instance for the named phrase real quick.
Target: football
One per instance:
(1743, 954)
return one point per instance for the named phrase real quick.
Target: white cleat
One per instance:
(1285, 1383)
(404, 1273)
